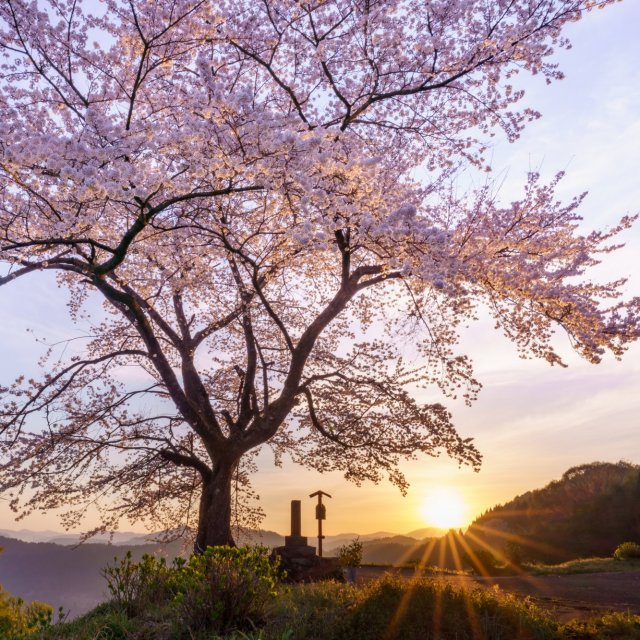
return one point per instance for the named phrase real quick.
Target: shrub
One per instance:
(350, 555)
(137, 586)
(107, 621)
(19, 620)
(225, 588)
(627, 551)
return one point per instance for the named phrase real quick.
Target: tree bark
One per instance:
(214, 519)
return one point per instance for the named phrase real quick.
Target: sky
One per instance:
(532, 422)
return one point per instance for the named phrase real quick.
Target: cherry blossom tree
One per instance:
(261, 194)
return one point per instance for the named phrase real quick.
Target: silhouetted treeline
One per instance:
(588, 512)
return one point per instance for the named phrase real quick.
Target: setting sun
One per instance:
(444, 508)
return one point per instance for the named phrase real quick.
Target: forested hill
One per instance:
(588, 512)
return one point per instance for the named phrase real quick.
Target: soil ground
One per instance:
(566, 597)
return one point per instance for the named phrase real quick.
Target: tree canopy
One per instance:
(262, 194)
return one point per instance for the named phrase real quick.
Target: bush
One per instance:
(225, 588)
(107, 621)
(350, 555)
(19, 620)
(387, 609)
(138, 587)
(627, 551)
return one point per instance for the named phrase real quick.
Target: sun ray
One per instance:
(474, 623)
(437, 614)
(518, 570)
(474, 558)
(514, 537)
(394, 623)
(426, 554)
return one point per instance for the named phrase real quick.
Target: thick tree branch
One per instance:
(209, 430)
(183, 460)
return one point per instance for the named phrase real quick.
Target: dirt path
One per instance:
(565, 596)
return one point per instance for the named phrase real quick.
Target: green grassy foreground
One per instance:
(388, 609)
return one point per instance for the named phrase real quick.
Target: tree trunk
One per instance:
(214, 519)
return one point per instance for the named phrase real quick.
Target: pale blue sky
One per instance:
(532, 422)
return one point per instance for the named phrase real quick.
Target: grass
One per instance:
(390, 608)
(110, 622)
(395, 609)
(416, 566)
(585, 565)
(386, 609)
(613, 626)
(581, 565)
(433, 570)
(105, 622)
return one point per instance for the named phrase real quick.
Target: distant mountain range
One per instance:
(125, 538)
(267, 538)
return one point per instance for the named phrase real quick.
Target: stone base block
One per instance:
(302, 566)
(296, 541)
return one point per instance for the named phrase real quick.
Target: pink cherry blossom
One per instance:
(260, 193)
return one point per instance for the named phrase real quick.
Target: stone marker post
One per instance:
(296, 518)
(296, 539)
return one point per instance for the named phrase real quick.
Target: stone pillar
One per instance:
(296, 539)
(296, 518)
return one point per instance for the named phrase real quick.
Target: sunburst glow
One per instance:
(444, 508)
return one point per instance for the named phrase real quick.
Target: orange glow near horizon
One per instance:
(445, 508)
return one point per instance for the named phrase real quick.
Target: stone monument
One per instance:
(299, 559)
